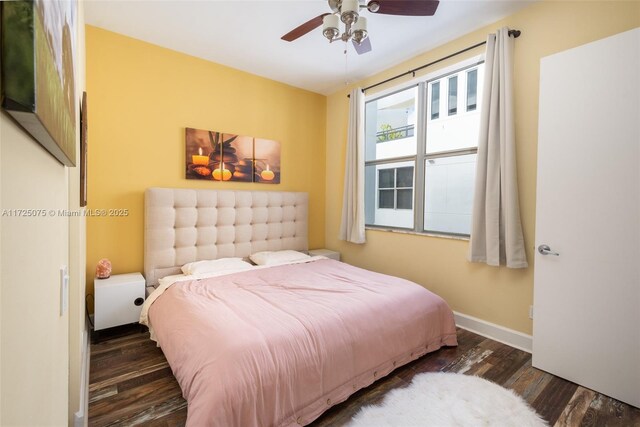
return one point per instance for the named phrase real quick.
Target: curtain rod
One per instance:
(514, 33)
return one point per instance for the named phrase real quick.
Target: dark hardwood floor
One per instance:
(131, 383)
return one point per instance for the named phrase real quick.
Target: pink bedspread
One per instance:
(279, 346)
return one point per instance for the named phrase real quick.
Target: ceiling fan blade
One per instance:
(363, 47)
(405, 7)
(303, 29)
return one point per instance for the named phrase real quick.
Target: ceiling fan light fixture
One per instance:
(349, 11)
(354, 26)
(330, 25)
(360, 30)
(359, 36)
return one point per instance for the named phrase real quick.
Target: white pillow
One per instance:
(214, 265)
(277, 257)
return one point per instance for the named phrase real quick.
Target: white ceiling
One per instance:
(246, 34)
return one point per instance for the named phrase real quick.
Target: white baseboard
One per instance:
(498, 333)
(80, 417)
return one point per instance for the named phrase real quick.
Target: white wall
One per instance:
(449, 194)
(396, 148)
(34, 335)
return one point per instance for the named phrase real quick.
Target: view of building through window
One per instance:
(390, 126)
(423, 184)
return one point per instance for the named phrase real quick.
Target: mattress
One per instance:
(278, 346)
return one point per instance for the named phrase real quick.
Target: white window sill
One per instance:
(417, 233)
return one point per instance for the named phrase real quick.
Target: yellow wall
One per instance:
(497, 295)
(141, 97)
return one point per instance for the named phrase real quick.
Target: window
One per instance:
(395, 188)
(386, 184)
(419, 165)
(390, 158)
(435, 100)
(472, 89)
(453, 95)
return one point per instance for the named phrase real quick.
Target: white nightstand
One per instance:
(118, 300)
(325, 252)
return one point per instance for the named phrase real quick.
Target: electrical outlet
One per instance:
(64, 289)
(530, 312)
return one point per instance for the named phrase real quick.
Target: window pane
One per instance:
(385, 199)
(405, 199)
(390, 125)
(435, 100)
(472, 89)
(388, 206)
(453, 95)
(461, 130)
(386, 178)
(449, 193)
(405, 177)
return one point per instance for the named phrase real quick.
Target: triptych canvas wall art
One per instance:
(219, 156)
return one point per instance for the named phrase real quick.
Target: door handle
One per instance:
(546, 250)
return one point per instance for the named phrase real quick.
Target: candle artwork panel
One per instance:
(219, 156)
(267, 161)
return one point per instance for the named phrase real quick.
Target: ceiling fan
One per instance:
(348, 11)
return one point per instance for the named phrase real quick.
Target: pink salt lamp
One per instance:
(103, 269)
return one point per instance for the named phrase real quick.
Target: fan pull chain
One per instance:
(346, 64)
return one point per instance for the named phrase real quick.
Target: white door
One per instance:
(586, 325)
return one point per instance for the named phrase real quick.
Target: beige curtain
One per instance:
(352, 225)
(496, 231)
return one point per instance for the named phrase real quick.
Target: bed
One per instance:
(272, 345)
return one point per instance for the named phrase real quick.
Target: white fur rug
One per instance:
(443, 399)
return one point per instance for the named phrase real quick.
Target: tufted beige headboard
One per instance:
(185, 225)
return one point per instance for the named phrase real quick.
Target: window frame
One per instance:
(421, 157)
